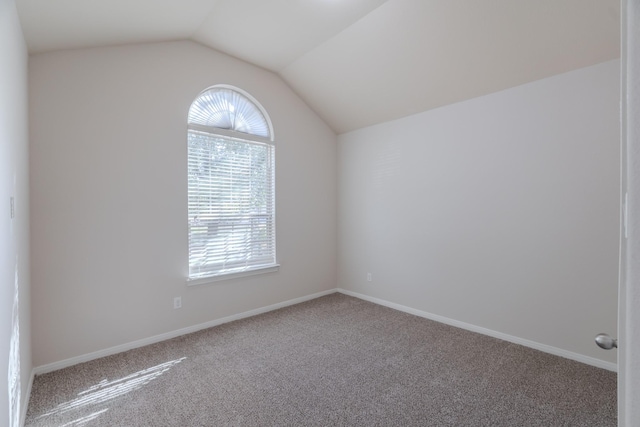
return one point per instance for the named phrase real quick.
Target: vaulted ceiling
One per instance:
(356, 62)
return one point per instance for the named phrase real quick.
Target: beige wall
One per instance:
(15, 340)
(109, 196)
(500, 212)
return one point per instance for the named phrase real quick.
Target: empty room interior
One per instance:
(313, 212)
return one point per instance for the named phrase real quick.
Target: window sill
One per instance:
(229, 276)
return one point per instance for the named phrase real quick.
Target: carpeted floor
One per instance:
(333, 361)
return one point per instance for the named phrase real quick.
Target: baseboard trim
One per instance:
(25, 406)
(495, 334)
(169, 335)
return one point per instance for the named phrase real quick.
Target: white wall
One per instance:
(500, 212)
(109, 201)
(15, 340)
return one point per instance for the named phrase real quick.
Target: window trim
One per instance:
(247, 138)
(232, 134)
(271, 268)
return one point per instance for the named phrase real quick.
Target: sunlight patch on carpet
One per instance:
(84, 420)
(107, 390)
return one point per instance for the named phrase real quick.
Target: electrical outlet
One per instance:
(177, 302)
(369, 277)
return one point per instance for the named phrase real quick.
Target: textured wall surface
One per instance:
(15, 339)
(109, 195)
(501, 212)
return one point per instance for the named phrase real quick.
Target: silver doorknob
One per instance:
(606, 342)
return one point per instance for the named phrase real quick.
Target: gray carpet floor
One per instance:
(333, 361)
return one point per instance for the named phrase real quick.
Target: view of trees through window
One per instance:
(231, 196)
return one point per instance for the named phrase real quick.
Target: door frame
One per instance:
(629, 285)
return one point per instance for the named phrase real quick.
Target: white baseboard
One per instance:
(162, 337)
(25, 405)
(473, 328)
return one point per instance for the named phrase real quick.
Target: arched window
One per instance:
(232, 228)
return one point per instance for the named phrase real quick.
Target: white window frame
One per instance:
(230, 135)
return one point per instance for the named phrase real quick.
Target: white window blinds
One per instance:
(231, 192)
(227, 109)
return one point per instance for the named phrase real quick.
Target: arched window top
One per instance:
(228, 108)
